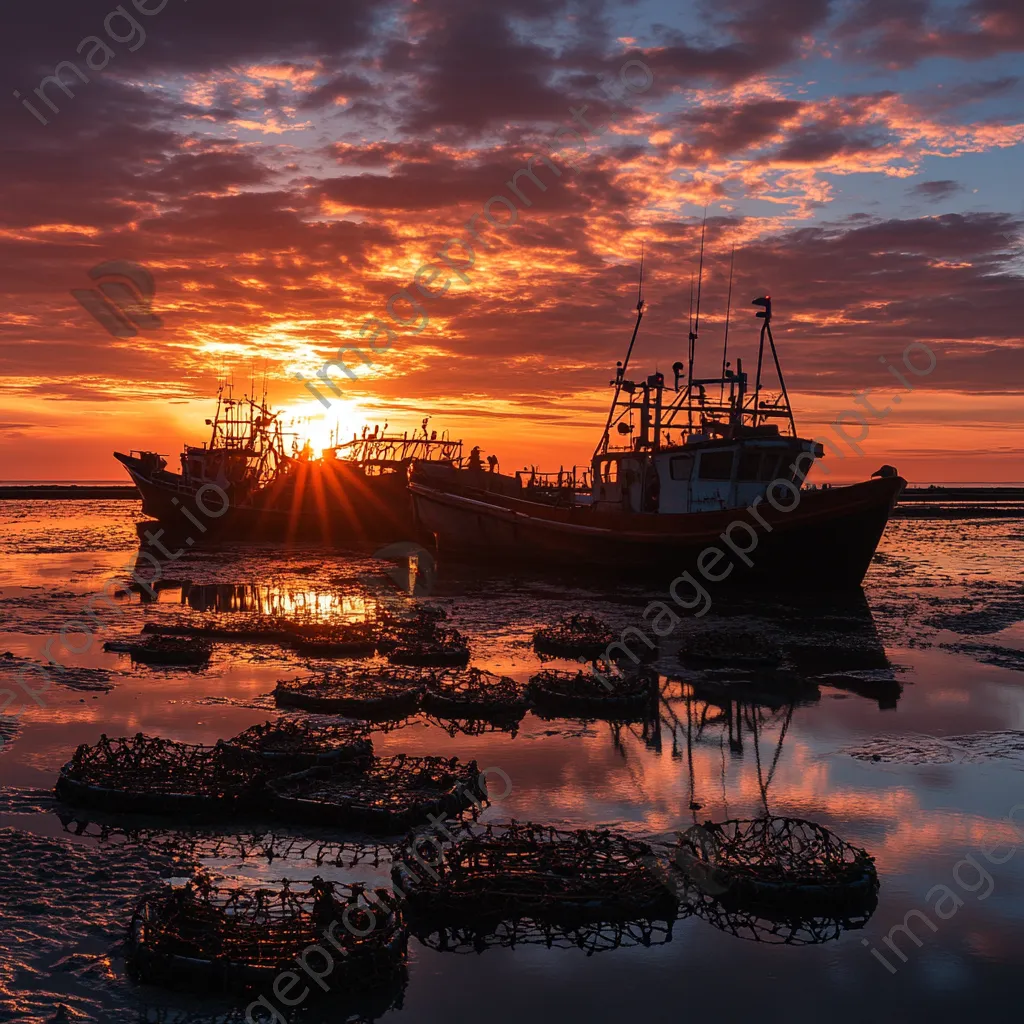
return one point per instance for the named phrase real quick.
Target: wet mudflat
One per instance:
(896, 721)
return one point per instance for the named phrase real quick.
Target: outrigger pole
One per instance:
(620, 370)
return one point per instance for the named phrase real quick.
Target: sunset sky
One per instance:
(283, 169)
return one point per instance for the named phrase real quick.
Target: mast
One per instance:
(766, 330)
(700, 272)
(689, 358)
(728, 314)
(695, 324)
(620, 372)
(766, 315)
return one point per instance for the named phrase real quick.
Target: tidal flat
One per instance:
(894, 718)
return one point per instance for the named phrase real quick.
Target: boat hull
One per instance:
(334, 503)
(825, 541)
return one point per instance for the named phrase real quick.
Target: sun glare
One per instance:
(324, 429)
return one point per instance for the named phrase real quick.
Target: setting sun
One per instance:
(322, 429)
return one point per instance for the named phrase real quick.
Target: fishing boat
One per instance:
(244, 485)
(699, 475)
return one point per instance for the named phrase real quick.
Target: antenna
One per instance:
(620, 374)
(700, 277)
(640, 287)
(695, 324)
(691, 306)
(728, 313)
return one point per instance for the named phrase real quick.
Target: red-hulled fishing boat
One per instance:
(242, 485)
(725, 499)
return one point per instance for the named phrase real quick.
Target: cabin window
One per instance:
(750, 466)
(610, 472)
(680, 467)
(716, 465)
(770, 463)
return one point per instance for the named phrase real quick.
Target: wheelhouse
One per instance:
(701, 475)
(678, 448)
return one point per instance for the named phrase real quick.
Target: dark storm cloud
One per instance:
(724, 129)
(833, 130)
(936, 190)
(845, 293)
(903, 32)
(241, 247)
(439, 181)
(757, 35)
(869, 287)
(953, 97)
(474, 70)
(342, 85)
(820, 143)
(196, 36)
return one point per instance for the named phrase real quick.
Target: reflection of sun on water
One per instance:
(296, 604)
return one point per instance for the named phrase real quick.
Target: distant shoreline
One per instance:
(931, 502)
(58, 492)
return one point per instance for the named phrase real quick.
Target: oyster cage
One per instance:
(574, 636)
(585, 694)
(500, 872)
(439, 648)
(148, 774)
(164, 650)
(212, 938)
(475, 694)
(250, 629)
(355, 640)
(289, 745)
(397, 630)
(392, 795)
(778, 865)
(370, 693)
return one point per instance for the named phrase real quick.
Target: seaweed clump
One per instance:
(208, 938)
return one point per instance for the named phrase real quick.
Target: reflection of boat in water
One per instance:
(786, 650)
(770, 878)
(730, 481)
(242, 484)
